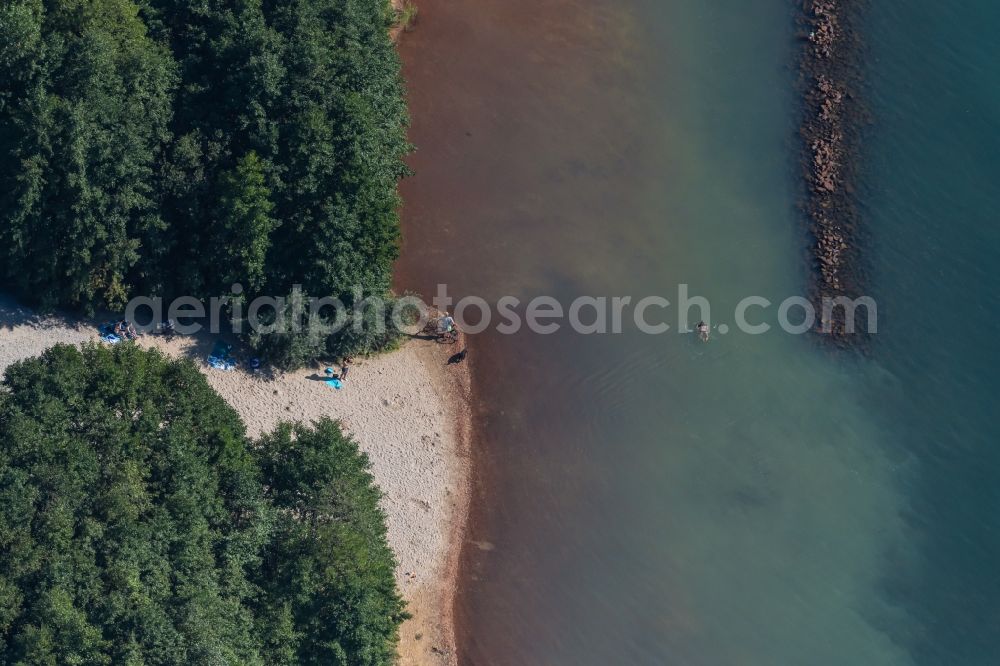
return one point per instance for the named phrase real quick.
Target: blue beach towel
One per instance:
(222, 363)
(107, 333)
(220, 358)
(335, 383)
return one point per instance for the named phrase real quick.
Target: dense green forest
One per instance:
(174, 147)
(139, 525)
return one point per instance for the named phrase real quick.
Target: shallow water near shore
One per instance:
(757, 499)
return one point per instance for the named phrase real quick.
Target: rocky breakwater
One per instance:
(832, 117)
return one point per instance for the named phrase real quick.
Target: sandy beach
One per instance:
(408, 411)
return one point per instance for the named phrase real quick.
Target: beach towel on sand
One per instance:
(107, 333)
(222, 363)
(332, 381)
(220, 358)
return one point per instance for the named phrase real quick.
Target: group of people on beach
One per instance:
(125, 330)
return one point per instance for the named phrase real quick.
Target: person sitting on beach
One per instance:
(446, 324)
(130, 331)
(447, 328)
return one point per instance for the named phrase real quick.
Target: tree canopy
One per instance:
(172, 147)
(139, 525)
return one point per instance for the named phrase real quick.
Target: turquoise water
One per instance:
(934, 192)
(759, 499)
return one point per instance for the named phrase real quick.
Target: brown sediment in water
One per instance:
(833, 114)
(526, 125)
(428, 637)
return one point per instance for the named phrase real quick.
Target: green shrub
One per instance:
(299, 339)
(405, 15)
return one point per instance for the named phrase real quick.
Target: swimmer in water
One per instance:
(703, 331)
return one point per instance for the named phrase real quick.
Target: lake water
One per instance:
(649, 499)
